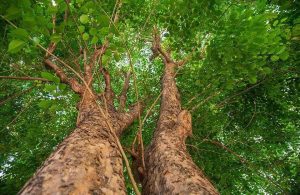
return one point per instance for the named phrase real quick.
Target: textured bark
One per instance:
(63, 77)
(123, 95)
(169, 167)
(88, 161)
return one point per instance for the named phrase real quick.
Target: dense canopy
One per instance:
(240, 82)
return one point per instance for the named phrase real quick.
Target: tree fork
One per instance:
(89, 160)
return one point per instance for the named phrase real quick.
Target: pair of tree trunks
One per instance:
(89, 160)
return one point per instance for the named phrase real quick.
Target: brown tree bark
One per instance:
(169, 167)
(88, 161)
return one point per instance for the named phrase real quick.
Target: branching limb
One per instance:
(157, 50)
(63, 77)
(123, 95)
(88, 75)
(127, 118)
(98, 53)
(116, 17)
(25, 78)
(166, 54)
(109, 93)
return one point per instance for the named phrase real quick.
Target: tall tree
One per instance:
(235, 126)
(169, 168)
(89, 160)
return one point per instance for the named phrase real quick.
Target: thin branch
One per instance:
(87, 68)
(227, 149)
(123, 96)
(98, 54)
(244, 161)
(199, 94)
(156, 48)
(19, 114)
(116, 17)
(221, 104)
(204, 101)
(25, 78)
(109, 93)
(254, 113)
(16, 95)
(63, 77)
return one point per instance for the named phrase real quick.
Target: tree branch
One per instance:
(25, 78)
(127, 118)
(109, 93)
(88, 73)
(156, 48)
(16, 95)
(227, 149)
(123, 96)
(116, 17)
(63, 77)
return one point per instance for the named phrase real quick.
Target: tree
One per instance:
(237, 73)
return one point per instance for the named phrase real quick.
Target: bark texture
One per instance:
(88, 161)
(169, 167)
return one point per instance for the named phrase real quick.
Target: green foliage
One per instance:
(241, 82)
(15, 46)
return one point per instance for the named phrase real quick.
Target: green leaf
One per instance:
(20, 33)
(104, 21)
(84, 19)
(284, 56)
(274, 58)
(117, 56)
(15, 46)
(94, 40)
(267, 70)
(81, 29)
(53, 108)
(45, 104)
(104, 31)
(13, 12)
(55, 38)
(29, 22)
(50, 88)
(275, 23)
(85, 36)
(52, 9)
(93, 31)
(62, 86)
(50, 77)
(105, 59)
(281, 50)
(36, 40)
(283, 19)
(253, 79)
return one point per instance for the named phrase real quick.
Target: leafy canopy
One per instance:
(241, 82)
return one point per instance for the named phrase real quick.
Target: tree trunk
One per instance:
(88, 161)
(169, 167)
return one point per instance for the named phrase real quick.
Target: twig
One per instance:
(25, 78)
(254, 113)
(16, 95)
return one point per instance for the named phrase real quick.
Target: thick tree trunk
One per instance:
(169, 168)
(88, 161)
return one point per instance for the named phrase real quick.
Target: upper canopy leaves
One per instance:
(241, 81)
